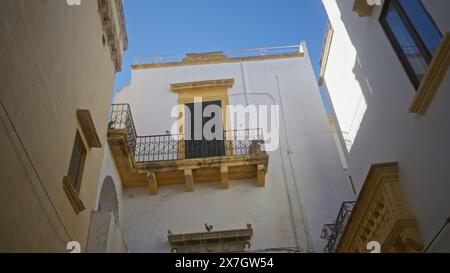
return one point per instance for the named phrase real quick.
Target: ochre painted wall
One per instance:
(53, 63)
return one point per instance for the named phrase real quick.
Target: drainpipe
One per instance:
(437, 235)
(244, 83)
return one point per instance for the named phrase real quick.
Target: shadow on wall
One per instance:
(359, 109)
(347, 15)
(366, 91)
(369, 65)
(108, 198)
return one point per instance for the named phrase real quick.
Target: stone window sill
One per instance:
(72, 194)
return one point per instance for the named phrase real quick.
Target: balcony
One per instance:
(158, 160)
(380, 214)
(333, 232)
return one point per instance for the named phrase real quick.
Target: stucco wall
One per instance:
(53, 62)
(319, 181)
(104, 234)
(388, 132)
(109, 171)
(342, 59)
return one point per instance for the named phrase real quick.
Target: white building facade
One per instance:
(271, 197)
(385, 71)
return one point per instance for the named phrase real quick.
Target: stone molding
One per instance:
(381, 214)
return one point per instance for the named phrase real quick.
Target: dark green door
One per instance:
(202, 147)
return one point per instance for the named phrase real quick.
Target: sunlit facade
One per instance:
(384, 68)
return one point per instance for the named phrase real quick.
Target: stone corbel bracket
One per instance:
(433, 78)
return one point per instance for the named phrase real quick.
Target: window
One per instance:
(77, 162)
(413, 34)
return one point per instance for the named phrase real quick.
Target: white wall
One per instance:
(319, 182)
(349, 104)
(388, 131)
(109, 170)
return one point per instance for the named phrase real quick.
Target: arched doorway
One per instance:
(108, 198)
(104, 232)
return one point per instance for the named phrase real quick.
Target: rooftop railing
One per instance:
(239, 53)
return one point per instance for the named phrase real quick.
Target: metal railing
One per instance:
(348, 141)
(244, 142)
(121, 118)
(177, 147)
(157, 148)
(238, 53)
(333, 232)
(358, 117)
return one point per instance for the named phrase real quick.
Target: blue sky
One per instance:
(189, 26)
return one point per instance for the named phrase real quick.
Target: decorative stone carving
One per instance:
(381, 214)
(244, 159)
(114, 36)
(236, 240)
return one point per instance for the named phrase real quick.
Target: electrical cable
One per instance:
(30, 161)
(437, 235)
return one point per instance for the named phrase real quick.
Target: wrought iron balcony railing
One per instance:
(333, 232)
(121, 118)
(176, 147)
